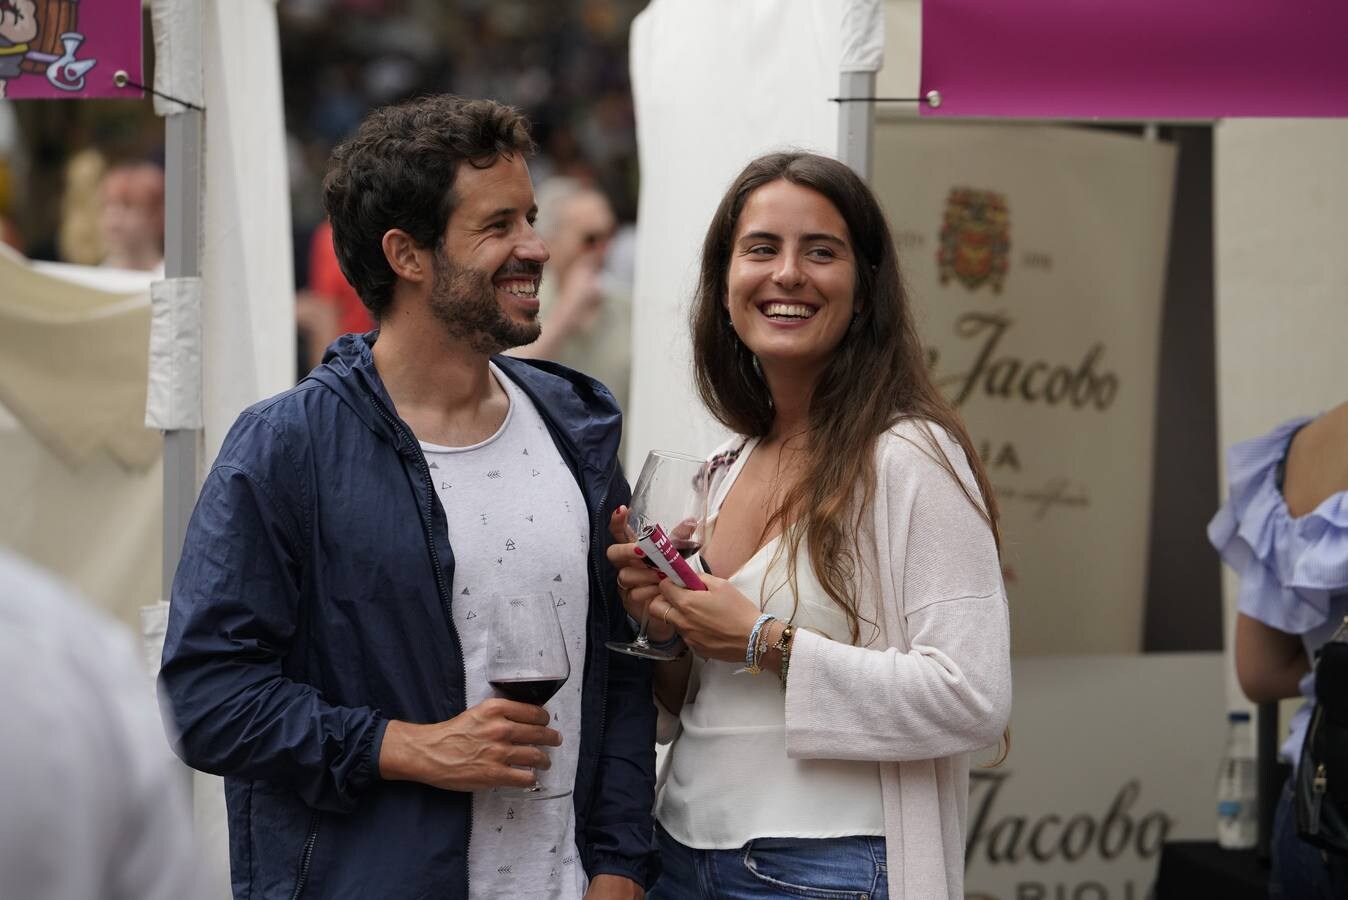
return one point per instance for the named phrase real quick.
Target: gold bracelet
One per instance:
(783, 646)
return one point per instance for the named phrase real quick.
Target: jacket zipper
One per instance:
(305, 856)
(428, 522)
(596, 540)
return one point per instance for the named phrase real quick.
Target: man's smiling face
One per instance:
(487, 271)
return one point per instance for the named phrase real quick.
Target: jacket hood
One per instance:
(583, 410)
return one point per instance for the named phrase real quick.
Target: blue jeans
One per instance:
(847, 868)
(1301, 871)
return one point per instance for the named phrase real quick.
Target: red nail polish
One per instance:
(637, 551)
(661, 575)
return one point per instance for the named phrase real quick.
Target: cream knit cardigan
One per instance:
(934, 684)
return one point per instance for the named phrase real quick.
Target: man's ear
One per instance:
(408, 261)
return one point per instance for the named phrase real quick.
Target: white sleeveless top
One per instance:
(729, 779)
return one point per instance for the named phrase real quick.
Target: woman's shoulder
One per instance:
(1317, 462)
(920, 446)
(722, 460)
(920, 456)
(1289, 565)
(729, 450)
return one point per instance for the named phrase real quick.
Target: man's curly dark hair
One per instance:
(398, 171)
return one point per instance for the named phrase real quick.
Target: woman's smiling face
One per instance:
(792, 278)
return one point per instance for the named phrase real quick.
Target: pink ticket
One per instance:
(662, 553)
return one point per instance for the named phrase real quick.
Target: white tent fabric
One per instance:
(177, 54)
(248, 307)
(863, 36)
(245, 339)
(79, 471)
(715, 84)
(173, 400)
(247, 329)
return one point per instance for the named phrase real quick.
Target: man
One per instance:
(329, 627)
(588, 317)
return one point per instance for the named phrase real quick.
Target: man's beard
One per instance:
(464, 300)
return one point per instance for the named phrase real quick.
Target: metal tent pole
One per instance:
(182, 258)
(856, 122)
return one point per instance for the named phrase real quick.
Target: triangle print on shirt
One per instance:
(518, 524)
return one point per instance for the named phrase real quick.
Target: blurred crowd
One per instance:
(564, 62)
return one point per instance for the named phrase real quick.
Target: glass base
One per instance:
(643, 649)
(536, 791)
(543, 792)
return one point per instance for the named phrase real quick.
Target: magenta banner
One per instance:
(69, 49)
(1135, 59)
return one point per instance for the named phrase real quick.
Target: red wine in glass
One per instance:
(670, 492)
(537, 691)
(685, 548)
(528, 661)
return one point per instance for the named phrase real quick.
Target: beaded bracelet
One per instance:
(783, 646)
(761, 650)
(752, 657)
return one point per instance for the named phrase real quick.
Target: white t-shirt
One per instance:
(729, 778)
(518, 524)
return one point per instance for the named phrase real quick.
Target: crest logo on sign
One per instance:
(975, 239)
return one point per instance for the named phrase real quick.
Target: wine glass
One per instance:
(528, 661)
(671, 492)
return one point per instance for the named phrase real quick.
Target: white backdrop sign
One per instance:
(1035, 257)
(1108, 761)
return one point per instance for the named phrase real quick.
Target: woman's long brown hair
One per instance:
(876, 378)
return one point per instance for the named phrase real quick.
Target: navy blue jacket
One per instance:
(312, 605)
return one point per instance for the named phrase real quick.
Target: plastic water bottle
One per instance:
(1237, 821)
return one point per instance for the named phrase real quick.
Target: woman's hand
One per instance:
(637, 581)
(716, 622)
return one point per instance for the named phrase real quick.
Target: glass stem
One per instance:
(642, 640)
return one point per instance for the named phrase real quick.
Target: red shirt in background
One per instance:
(326, 279)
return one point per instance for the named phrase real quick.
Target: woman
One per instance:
(853, 509)
(1284, 530)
